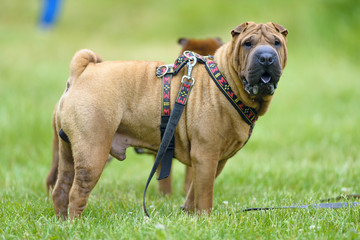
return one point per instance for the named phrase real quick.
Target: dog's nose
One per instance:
(266, 55)
(266, 59)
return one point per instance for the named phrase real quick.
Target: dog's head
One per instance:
(259, 55)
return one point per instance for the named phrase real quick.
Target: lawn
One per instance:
(306, 148)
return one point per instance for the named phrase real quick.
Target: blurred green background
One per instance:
(313, 120)
(304, 149)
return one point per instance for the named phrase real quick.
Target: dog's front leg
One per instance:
(190, 204)
(188, 179)
(200, 195)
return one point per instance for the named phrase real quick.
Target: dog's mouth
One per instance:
(265, 85)
(265, 78)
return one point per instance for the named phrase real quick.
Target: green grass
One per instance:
(303, 150)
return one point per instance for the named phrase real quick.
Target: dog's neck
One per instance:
(259, 103)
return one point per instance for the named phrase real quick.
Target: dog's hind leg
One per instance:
(52, 175)
(164, 186)
(90, 160)
(62, 187)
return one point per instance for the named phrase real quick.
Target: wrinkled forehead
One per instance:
(261, 30)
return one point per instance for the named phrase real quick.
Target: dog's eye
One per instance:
(277, 43)
(247, 44)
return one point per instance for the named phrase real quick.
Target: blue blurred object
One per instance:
(50, 12)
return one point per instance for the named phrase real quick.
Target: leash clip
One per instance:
(188, 80)
(190, 64)
(190, 55)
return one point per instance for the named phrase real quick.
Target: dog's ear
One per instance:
(183, 41)
(280, 29)
(239, 29)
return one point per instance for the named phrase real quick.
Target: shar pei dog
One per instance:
(204, 47)
(111, 105)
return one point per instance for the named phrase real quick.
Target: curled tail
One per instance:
(80, 61)
(78, 64)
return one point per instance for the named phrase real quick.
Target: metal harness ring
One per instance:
(166, 70)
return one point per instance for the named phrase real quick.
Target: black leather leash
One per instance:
(187, 83)
(165, 116)
(310, 206)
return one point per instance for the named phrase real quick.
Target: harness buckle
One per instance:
(160, 71)
(189, 80)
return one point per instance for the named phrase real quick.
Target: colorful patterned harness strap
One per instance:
(247, 113)
(165, 154)
(167, 71)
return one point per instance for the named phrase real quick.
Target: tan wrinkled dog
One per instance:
(110, 106)
(203, 47)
